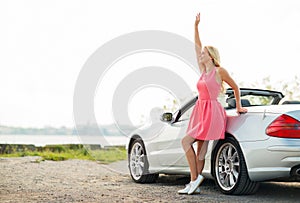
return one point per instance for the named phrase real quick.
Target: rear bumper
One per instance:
(272, 158)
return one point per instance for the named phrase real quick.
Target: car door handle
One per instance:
(177, 124)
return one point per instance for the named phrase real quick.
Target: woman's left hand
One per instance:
(197, 21)
(241, 110)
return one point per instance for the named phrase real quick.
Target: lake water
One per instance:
(42, 140)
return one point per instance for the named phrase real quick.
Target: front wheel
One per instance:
(138, 164)
(230, 170)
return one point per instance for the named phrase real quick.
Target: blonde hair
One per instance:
(214, 54)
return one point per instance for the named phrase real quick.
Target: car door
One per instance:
(169, 142)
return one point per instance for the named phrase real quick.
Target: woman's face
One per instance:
(204, 56)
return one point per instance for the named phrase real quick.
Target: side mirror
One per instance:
(167, 117)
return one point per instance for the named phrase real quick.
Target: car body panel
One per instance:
(272, 158)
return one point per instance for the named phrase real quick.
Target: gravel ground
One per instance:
(26, 180)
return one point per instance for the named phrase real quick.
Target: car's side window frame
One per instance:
(185, 108)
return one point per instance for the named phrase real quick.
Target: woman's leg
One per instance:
(201, 152)
(187, 144)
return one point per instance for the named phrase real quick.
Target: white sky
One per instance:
(44, 44)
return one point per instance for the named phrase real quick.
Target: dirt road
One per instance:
(25, 180)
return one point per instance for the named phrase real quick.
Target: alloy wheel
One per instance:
(137, 160)
(227, 166)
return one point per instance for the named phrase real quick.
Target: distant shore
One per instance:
(103, 130)
(43, 140)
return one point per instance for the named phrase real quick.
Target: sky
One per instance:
(45, 44)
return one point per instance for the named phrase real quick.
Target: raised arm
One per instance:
(198, 45)
(227, 78)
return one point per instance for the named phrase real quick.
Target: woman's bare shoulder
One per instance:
(221, 70)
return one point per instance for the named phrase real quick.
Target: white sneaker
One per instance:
(197, 191)
(195, 184)
(187, 188)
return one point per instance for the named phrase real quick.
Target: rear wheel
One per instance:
(230, 170)
(138, 164)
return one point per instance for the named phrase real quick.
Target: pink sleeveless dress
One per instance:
(208, 118)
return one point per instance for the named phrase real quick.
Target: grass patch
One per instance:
(109, 155)
(65, 152)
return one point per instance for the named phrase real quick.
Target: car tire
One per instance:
(138, 163)
(230, 170)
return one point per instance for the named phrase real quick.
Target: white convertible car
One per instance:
(261, 145)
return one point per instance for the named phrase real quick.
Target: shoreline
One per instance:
(43, 140)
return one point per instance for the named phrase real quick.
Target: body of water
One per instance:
(43, 140)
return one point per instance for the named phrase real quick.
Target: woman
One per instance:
(208, 119)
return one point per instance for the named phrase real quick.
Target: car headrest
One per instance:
(232, 104)
(291, 102)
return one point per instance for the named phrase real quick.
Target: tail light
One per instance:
(285, 127)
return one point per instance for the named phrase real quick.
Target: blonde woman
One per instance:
(208, 119)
